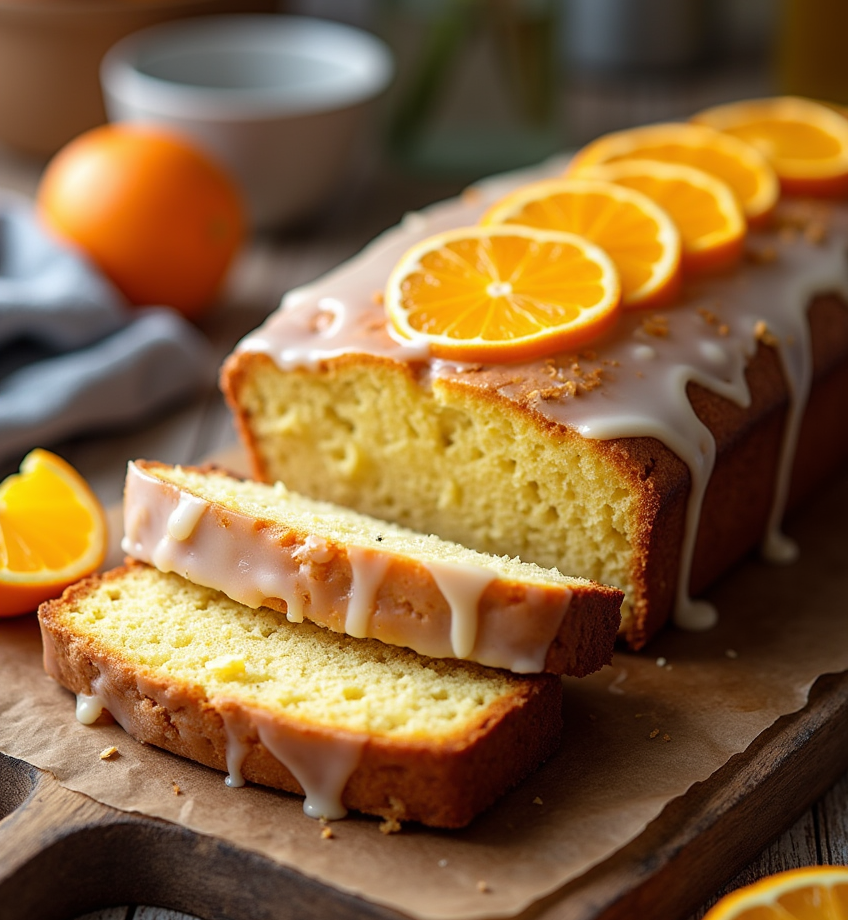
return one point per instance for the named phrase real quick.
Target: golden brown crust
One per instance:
(409, 598)
(739, 495)
(442, 784)
(231, 380)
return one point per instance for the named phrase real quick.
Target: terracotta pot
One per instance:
(50, 53)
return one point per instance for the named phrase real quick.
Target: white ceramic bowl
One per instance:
(278, 99)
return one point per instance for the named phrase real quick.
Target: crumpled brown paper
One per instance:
(637, 735)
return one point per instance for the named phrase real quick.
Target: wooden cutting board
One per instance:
(62, 854)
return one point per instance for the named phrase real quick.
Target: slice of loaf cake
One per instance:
(263, 545)
(652, 460)
(350, 723)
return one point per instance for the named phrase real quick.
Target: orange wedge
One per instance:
(741, 166)
(639, 236)
(52, 532)
(502, 293)
(816, 893)
(708, 216)
(807, 143)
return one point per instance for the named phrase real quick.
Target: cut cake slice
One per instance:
(350, 723)
(264, 545)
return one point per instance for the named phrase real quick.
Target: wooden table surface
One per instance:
(373, 198)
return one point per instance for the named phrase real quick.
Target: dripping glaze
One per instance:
(700, 343)
(254, 567)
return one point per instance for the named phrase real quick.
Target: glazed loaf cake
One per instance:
(265, 546)
(652, 461)
(349, 723)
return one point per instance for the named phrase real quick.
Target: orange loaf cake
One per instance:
(349, 723)
(265, 546)
(652, 459)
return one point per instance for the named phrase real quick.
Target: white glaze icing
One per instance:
(322, 762)
(492, 647)
(235, 753)
(184, 517)
(462, 586)
(645, 395)
(254, 566)
(116, 703)
(89, 708)
(368, 569)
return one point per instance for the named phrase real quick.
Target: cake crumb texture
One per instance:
(440, 740)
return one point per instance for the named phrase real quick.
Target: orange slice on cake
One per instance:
(710, 220)
(806, 142)
(815, 893)
(741, 166)
(502, 293)
(52, 532)
(638, 235)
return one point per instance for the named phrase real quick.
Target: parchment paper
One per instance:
(637, 735)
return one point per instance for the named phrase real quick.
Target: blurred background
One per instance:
(477, 86)
(481, 85)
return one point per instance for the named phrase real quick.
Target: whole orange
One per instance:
(159, 217)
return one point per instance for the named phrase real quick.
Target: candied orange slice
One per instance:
(806, 142)
(638, 235)
(815, 893)
(705, 210)
(52, 532)
(502, 293)
(741, 166)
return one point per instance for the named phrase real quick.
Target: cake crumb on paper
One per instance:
(109, 753)
(483, 887)
(327, 832)
(666, 737)
(538, 801)
(176, 789)
(654, 733)
(390, 826)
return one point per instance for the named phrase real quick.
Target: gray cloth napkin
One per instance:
(74, 357)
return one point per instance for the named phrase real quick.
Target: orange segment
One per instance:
(52, 532)
(705, 210)
(639, 237)
(807, 143)
(502, 293)
(816, 893)
(741, 166)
